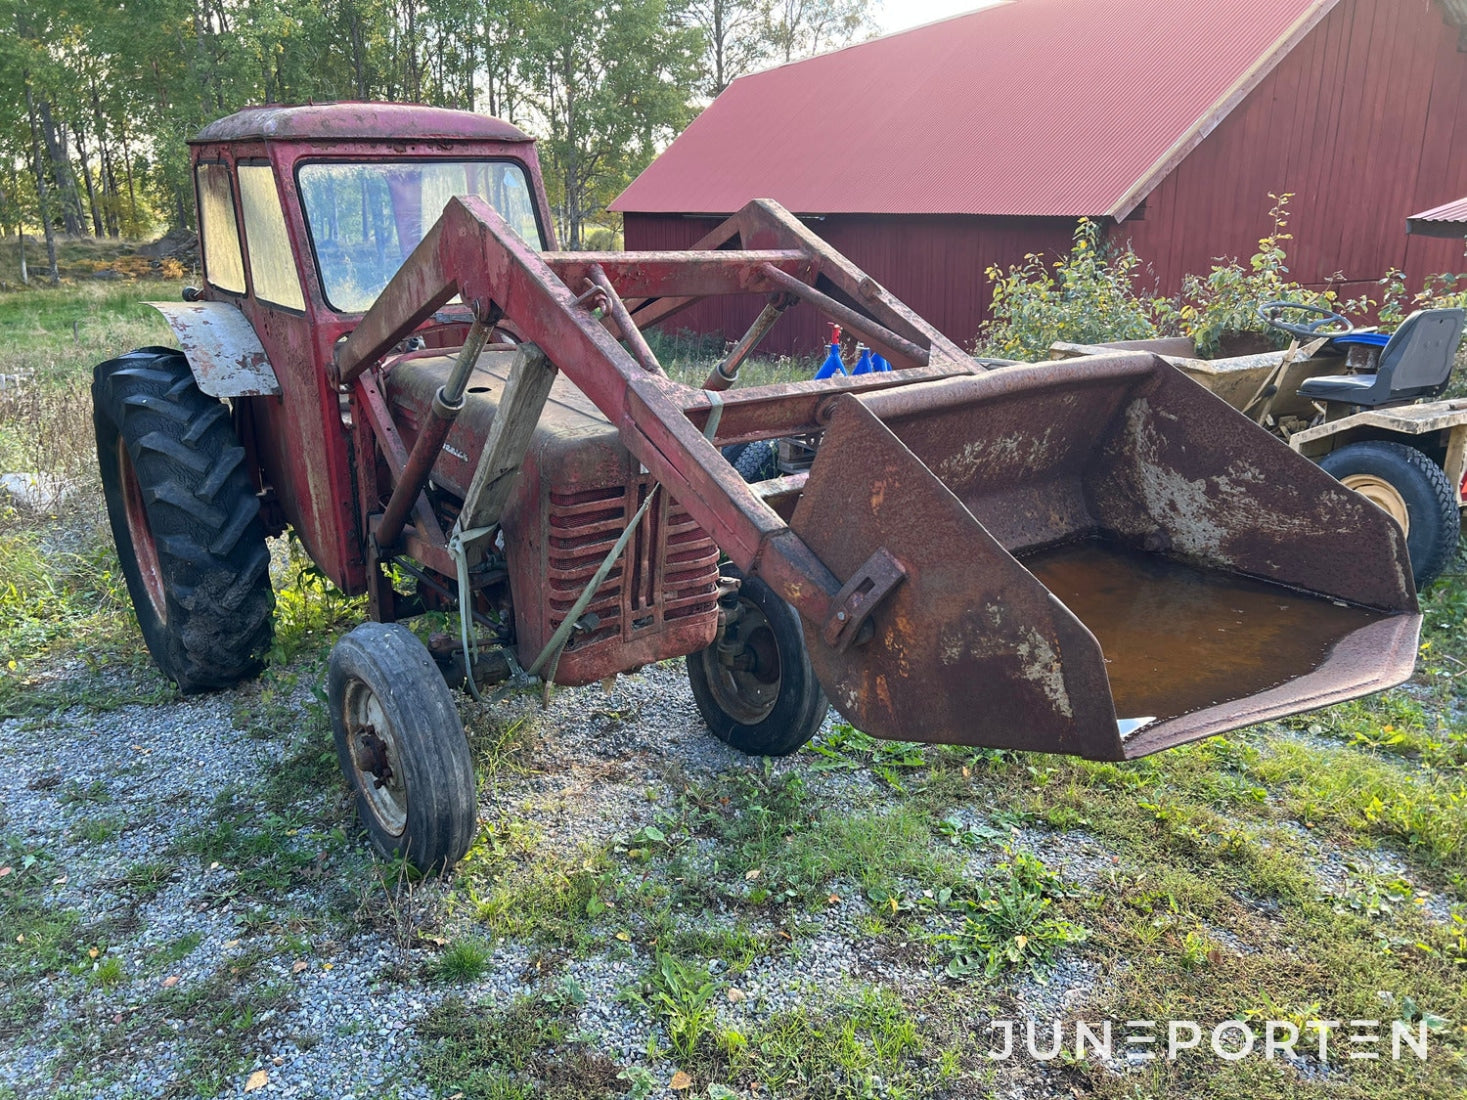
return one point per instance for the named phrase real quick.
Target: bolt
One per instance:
(841, 615)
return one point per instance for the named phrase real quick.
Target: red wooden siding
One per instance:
(934, 264)
(1365, 122)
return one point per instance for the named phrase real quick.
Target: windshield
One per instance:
(364, 219)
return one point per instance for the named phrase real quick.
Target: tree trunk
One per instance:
(25, 276)
(43, 189)
(81, 152)
(132, 198)
(109, 177)
(67, 195)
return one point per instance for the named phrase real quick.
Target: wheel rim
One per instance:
(375, 758)
(140, 532)
(1383, 495)
(744, 671)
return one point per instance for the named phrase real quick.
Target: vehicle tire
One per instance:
(401, 746)
(758, 461)
(1413, 490)
(185, 518)
(756, 689)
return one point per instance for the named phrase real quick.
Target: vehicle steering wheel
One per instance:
(1305, 330)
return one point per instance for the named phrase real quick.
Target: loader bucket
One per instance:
(1100, 557)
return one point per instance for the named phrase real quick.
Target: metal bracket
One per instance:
(853, 604)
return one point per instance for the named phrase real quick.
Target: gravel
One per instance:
(329, 981)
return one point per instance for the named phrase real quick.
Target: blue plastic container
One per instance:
(878, 362)
(832, 365)
(864, 365)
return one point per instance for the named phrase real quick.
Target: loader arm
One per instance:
(472, 253)
(1093, 557)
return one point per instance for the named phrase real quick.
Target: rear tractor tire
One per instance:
(1410, 488)
(401, 746)
(185, 519)
(755, 687)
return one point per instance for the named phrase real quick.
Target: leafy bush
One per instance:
(1090, 296)
(1437, 292)
(1087, 297)
(1225, 302)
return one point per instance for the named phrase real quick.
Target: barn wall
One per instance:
(933, 264)
(1365, 122)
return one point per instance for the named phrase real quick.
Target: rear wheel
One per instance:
(1410, 488)
(755, 687)
(401, 746)
(185, 518)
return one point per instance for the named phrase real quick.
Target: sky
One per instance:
(898, 15)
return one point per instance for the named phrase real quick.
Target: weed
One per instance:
(108, 972)
(1012, 925)
(523, 1049)
(464, 960)
(860, 1045)
(40, 935)
(679, 994)
(147, 878)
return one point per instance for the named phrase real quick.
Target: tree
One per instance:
(736, 34)
(803, 28)
(611, 82)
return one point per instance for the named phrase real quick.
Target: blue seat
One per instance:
(1369, 339)
(1415, 362)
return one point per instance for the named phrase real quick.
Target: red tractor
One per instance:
(389, 355)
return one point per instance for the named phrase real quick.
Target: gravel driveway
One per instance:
(299, 958)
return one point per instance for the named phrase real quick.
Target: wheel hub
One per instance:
(371, 757)
(1383, 495)
(374, 749)
(743, 669)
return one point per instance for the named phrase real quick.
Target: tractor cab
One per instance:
(305, 214)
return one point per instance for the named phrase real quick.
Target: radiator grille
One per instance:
(582, 528)
(668, 572)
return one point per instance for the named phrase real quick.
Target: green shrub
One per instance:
(1437, 292)
(1225, 302)
(1086, 297)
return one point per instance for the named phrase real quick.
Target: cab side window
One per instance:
(223, 264)
(272, 263)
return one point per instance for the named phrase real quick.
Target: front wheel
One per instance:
(755, 687)
(1413, 490)
(402, 747)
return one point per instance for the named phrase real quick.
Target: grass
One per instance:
(1312, 867)
(517, 1051)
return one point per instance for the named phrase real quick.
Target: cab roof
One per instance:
(357, 122)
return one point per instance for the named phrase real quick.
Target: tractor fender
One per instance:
(222, 349)
(1439, 428)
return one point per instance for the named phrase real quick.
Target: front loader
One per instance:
(1094, 557)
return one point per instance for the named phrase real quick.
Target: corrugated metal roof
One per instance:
(351, 121)
(1032, 107)
(1447, 220)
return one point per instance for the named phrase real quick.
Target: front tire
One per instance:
(185, 519)
(755, 687)
(1413, 490)
(401, 746)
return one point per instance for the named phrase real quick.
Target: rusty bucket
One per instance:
(1101, 558)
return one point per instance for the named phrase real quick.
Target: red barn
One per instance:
(928, 155)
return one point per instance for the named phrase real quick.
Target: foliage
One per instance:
(1397, 302)
(606, 101)
(1090, 296)
(1086, 297)
(680, 994)
(100, 99)
(1225, 302)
